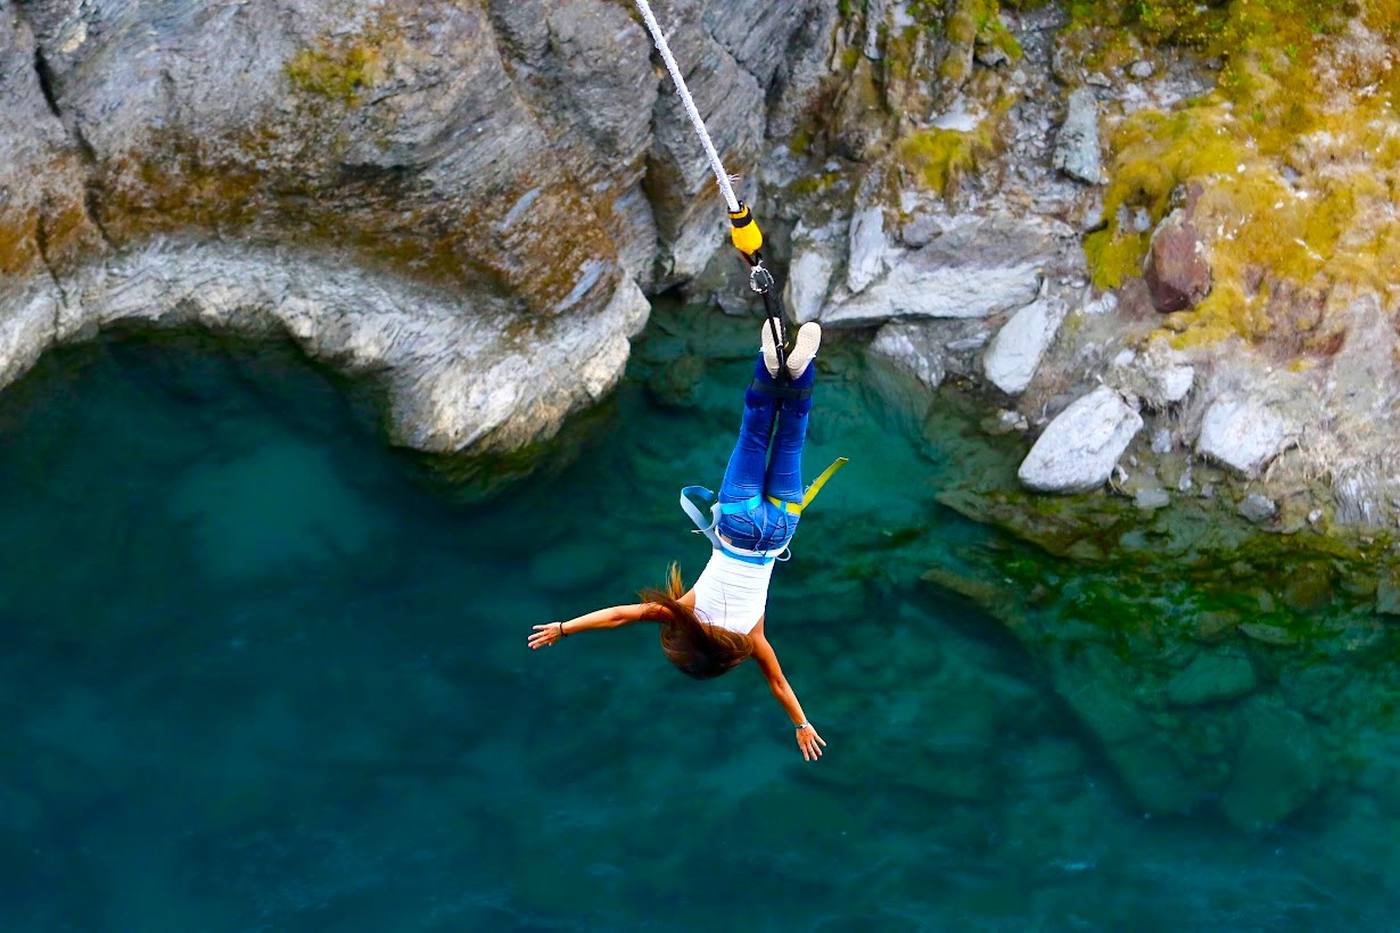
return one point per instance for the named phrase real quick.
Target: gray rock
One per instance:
(1212, 677)
(919, 230)
(1106, 303)
(1162, 441)
(1077, 151)
(1258, 508)
(1079, 449)
(874, 22)
(1016, 350)
(915, 349)
(1151, 498)
(1159, 375)
(967, 344)
(809, 278)
(1243, 434)
(976, 267)
(866, 256)
(1141, 69)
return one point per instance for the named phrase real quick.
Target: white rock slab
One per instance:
(1243, 434)
(975, 266)
(1079, 449)
(911, 290)
(809, 280)
(1015, 352)
(867, 249)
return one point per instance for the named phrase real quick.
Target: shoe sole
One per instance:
(770, 349)
(804, 349)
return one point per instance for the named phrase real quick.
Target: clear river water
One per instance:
(262, 671)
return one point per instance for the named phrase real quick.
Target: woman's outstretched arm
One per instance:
(808, 741)
(611, 617)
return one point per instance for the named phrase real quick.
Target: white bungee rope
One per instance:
(716, 166)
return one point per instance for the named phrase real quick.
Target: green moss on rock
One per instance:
(340, 73)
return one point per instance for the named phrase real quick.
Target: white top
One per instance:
(732, 593)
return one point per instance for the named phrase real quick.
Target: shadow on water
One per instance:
(263, 671)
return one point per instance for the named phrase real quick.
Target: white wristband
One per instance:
(803, 725)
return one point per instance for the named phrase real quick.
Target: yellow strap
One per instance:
(812, 490)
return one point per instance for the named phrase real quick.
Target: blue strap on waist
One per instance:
(708, 526)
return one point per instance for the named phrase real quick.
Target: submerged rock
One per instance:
(1258, 507)
(1277, 767)
(1151, 498)
(1213, 677)
(1079, 449)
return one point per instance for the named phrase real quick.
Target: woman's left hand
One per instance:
(545, 635)
(810, 743)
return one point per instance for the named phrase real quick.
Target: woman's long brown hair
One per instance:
(701, 651)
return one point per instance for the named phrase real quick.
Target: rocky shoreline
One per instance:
(981, 264)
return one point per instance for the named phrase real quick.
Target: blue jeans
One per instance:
(767, 462)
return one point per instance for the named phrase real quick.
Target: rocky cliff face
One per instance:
(1192, 205)
(465, 199)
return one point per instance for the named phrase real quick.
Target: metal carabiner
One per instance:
(760, 279)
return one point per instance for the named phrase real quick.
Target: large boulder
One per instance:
(1212, 677)
(1016, 350)
(1079, 449)
(1243, 434)
(974, 267)
(1177, 272)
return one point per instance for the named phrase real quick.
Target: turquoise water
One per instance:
(262, 672)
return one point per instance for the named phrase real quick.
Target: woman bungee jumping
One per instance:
(715, 626)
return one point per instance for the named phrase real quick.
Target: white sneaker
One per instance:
(804, 350)
(770, 347)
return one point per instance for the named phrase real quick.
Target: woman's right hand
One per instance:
(545, 635)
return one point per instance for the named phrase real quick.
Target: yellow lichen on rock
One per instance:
(937, 157)
(1295, 155)
(337, 71)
